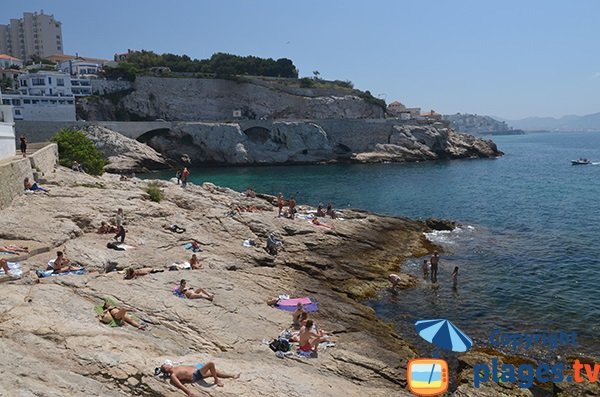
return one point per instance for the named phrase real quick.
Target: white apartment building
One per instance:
(43, 96)
(36, 34)
(7, 132)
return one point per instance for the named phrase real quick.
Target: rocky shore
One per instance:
(53, 345)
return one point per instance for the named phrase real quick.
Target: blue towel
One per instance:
(50, 273)
(310, 308)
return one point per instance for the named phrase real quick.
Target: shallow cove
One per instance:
(525, 251)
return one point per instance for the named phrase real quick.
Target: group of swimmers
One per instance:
(430, 270)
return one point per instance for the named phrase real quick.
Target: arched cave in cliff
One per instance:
(258, 134)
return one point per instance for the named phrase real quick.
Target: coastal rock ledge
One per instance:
(52, 344)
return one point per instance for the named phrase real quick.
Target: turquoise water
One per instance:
(527, 248)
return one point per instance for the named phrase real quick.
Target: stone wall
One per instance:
(12, 173)
(103, 87)
(44, 160)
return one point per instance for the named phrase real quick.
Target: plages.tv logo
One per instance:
(429, 376)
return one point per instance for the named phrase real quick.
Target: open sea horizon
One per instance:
(526, 250)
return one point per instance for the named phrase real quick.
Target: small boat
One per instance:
(581, 162)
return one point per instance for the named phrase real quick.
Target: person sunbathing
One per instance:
(191, 293)
(13, 248)
(320, 211)
(181, 374)
(106, 228)
(63, 265)
(195, 262)
(132, 273)
(119, 315)
(33, 186)
(174, 228)
(309, 339)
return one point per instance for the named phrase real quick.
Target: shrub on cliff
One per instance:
(155, 193)
(75, 146)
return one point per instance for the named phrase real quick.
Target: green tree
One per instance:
(73, 146)
(316, 73)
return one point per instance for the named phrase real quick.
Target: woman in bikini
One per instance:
(132, 273)
(119, 315)
(195, 262)
(192, 293)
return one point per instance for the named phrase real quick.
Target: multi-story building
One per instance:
(34, 35)
(43, 96)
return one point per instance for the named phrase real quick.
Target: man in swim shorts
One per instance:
(182, 374)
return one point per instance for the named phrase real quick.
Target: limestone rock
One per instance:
(124, 154)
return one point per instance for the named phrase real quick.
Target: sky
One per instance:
(504, 58)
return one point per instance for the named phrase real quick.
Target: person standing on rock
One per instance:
(23, 145)
(120, 218)
(184, 176)
(178, 176)
(279, 203)
(292, 207)
(181, 374)
(435, 261)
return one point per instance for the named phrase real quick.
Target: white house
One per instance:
(78, 67)
(81, 86)
(7, 132)
(43, 96)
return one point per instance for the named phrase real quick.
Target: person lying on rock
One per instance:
(13, 248)
(106, 228)
(174, 228)
(181, 374)
(63, 265)
(195, 262)
(119, 315)
(192, 293)
(309, 339)
(132, 273)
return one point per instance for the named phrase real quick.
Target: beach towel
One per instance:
(294, 301)
(125, 246)
(50, 273)
(309, 308)
(14, 270)
(305, 216)
(8, 253)
(188, 246)
(180, 266)
(321, 224)
(177, 293)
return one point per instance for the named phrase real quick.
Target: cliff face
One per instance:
(475, 124)
(318, 141)
(190, 99)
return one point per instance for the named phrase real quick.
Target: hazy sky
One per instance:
(505, 58)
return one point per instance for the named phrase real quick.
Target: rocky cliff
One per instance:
(192, 99)
(317, 141)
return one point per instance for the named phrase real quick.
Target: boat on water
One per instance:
(581, 162)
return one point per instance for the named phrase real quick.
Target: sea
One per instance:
(527, 247)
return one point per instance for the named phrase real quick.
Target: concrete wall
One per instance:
(103, 87)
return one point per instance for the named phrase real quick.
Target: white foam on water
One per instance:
(449, 237)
